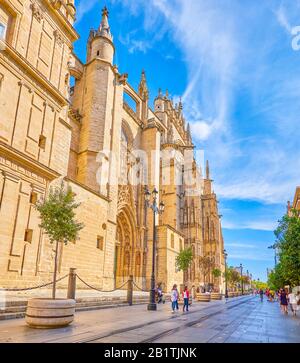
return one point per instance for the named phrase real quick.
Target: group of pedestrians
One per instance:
(286, 298)
(289, 298)
(175, 299)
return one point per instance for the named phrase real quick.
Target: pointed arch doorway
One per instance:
(128, 260)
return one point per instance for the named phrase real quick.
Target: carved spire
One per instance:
(143, 89)
(180, 106)
(104, 28)
(207, 170)
(189, 134)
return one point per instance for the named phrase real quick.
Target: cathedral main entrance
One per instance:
(128, 259)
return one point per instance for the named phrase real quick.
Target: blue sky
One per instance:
(233, 63)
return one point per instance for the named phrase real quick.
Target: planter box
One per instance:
(203, 297)
(216, 296)
(50, 314)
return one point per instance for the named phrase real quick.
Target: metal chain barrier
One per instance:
(94, 288)
(35, 287)
(139, 288)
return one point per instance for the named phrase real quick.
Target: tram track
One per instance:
(228, 306)
(193, 323)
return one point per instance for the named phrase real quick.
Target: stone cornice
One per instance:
(172, 229)
(68, 179)
(28, 162)
(63, 122)
(54, 6)
(152, 123)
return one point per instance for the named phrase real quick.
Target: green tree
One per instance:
(216, 273)
(232, 276)
(184, 259)
(288, 243)
(276, 279)
(57, 214)
(260, 285)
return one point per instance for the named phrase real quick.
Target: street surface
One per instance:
(240, 320)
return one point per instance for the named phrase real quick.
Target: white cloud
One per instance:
(282, 19)
(84, 7)
(133, 45)
(269, 226)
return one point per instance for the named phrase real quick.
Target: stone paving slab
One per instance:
(95, 323)
(248, 322)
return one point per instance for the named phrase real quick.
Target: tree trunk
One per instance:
(55, 272)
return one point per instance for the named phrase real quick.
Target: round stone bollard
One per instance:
(216, 296)
(203, 297)
(50, 314)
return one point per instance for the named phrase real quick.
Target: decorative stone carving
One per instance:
(58, 38)
(56, 4)
(37, 11)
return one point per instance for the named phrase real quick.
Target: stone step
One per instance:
(12, 309)
(10, 316)
(18, 311)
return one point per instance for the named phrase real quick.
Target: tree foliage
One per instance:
(184, 259)
(233, 277)
(216, 273)
(57, 214)
(287, 272)
(260, 285)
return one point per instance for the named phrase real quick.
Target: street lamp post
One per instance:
(241, 266)
(156, 210)
(226, 285)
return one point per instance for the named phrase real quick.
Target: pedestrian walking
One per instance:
(177, 301)
(284, 301)
(186, 299)
(174, 298)
(261, 294)
(293, 301)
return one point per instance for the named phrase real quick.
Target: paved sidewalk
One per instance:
(254, 322)
(242, 319)
(92, 325)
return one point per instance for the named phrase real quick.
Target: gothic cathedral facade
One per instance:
(107, 148)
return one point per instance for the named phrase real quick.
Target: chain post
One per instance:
(130, 291)
(72, 284)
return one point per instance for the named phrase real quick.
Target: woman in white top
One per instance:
(293, 300)
(174, 298)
